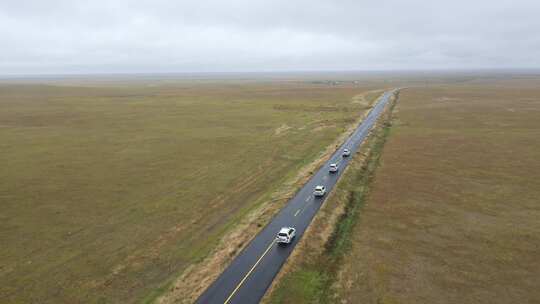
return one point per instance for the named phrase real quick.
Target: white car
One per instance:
(286, 235)
(333, 168)
(346, 152)
(319, 191)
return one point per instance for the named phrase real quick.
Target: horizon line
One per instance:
(269, 72)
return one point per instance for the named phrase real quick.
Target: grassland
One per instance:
(111, 189)
(452, 213)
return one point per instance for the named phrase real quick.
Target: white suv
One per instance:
(346, 152)
(319, 191)
(285, 235)
(333, 168)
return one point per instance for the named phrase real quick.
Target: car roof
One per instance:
(333, 165)
(319, 187)
(285, 229)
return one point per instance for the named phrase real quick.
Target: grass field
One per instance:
(110, 189)
(452, 213)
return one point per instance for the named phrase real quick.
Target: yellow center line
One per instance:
(249, 272)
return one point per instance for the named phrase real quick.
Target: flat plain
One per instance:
(110, 189)
(453, 213)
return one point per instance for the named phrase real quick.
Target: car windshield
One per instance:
(282, 234)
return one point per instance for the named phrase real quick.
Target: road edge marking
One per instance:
(249, 272)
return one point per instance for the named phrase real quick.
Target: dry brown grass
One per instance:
(110, 190)
(453, 215)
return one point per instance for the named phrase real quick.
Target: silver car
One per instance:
(319, 191)
(286, 235)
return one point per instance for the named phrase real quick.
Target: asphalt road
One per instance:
(250, 274)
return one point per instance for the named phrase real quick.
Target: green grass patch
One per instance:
(303, 286)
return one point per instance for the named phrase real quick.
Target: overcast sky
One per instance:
(107, 36)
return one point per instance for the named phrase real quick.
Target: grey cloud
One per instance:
(246, 35)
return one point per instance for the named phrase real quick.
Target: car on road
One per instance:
(319, 191)
(346, 152)
(333, 168)
(286, 235)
